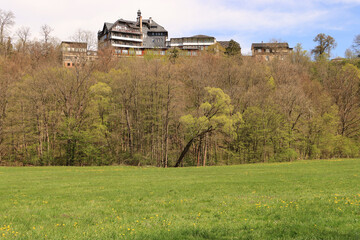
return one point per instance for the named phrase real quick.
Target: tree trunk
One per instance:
(166, 138)
(130, 132)
(205, 151)
(183, 153)
(198, 154)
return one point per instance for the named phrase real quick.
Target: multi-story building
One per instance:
(73, 53)
(269, 51)
(192, 44)
(132, 37)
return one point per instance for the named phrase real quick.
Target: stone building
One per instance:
(269, 51)
(73, 53)
(132, 37)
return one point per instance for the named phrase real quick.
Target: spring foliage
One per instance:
(212, 109)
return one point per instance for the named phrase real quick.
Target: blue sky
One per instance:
(244, 21)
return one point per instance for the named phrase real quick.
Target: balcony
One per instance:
(125, 46)
(126, 39)
(198, 43)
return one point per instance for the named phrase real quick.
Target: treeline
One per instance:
(207, 110)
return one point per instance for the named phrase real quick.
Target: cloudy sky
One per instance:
(292, 21)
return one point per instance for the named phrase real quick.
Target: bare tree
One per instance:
(23, 33)
(349, 54)
(85, 36)
(356, 44)
(276, 40)
(6, 21)
(45, 31)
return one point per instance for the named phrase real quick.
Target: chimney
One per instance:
(150, 20)
(139, 18)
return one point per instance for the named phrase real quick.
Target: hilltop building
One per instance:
(136, 38)
(132, 37)
(269, 51)
(73, 53)
(197, 42)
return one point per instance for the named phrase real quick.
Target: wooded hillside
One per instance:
(211, 109)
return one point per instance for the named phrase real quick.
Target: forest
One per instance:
(166, 111)
(185, 111)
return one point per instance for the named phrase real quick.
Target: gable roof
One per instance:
(108, 25)
(153, 26)
(150, 24)
(269, 45)
(201, 36)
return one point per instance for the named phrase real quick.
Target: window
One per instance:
(267, 50)
(125, 51)
(138, 52)
(259, 50)
(68, 64)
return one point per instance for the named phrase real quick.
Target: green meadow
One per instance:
(297, 200)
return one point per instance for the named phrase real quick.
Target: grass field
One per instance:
(299, 200)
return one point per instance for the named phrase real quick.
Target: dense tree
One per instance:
(216, 114)
(325, 44)
(233, 48)
(166, 111)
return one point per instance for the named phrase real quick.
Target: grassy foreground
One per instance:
(300, 200)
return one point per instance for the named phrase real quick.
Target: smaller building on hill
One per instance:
(192, 44)
(269, 51)
(198, 42)
(73, 53)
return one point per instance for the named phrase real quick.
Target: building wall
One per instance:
(269, 53)
(75, 53)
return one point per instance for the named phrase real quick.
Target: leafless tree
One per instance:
(85, 36)
(46, 30)
(356, 44)
(23, 33)
(6, 21)
(350, 54)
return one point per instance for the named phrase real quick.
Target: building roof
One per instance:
(83, 44)
(338, 59)
(108, 25)
(224, 44)
(201, 36)
(153, 26)
(196, 36)
(269, 45)
(148, 23)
